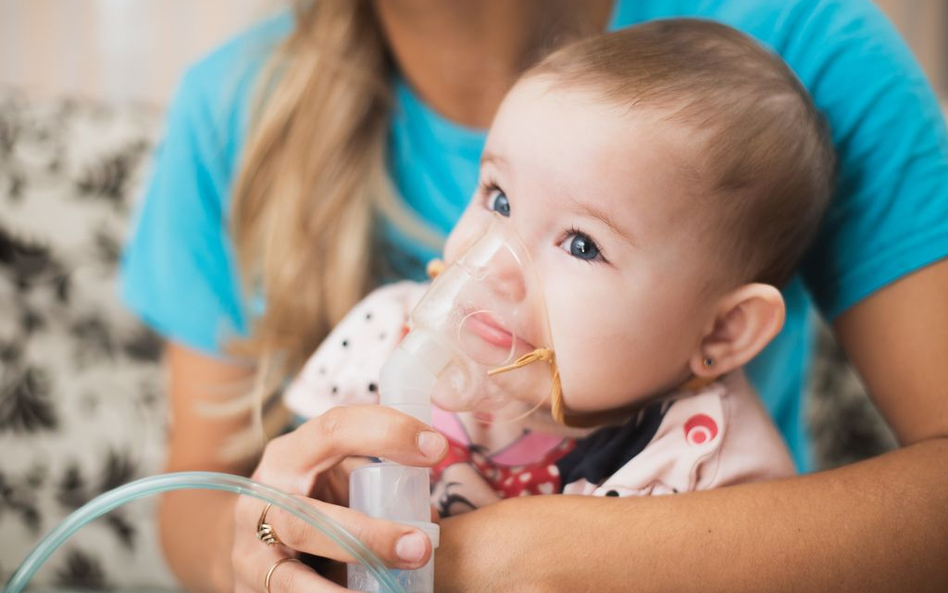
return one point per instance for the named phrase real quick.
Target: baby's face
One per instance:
(597, 195)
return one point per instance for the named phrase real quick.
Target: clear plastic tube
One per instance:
(197, 481)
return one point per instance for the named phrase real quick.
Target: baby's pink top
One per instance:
(691, 440)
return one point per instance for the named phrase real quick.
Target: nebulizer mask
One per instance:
(474, 334)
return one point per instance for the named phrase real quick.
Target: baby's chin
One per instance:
(595, 405)
(591, 390)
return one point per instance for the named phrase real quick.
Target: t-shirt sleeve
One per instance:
(889, 216)
(178, 271)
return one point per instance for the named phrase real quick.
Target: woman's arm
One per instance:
(196, 442)
(878, 525)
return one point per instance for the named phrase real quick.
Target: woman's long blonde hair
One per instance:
(312, 168)
(311, 183)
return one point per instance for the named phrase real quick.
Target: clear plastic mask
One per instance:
(482, 331)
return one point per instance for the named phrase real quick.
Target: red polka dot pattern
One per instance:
(542, 477)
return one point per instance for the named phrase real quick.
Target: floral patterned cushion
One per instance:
(81, 405)
(81, 409)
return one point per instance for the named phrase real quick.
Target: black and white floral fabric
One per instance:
(81, 407)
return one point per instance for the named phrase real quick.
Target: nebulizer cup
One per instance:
(482, 317)
(398, 493)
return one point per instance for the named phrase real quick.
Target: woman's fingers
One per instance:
(396, 544)
(279, 573)
(292, 461)
(292, 576)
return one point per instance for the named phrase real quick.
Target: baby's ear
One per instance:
(745, 320)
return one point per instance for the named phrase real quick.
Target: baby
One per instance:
(665, 180)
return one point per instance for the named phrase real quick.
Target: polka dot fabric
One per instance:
(344, 370)
(541, 477)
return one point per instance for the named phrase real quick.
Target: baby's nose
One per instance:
(506, 282)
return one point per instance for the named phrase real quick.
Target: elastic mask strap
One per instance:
(557, 408)
(544, 354)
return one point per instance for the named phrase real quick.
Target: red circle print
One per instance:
(700, 429)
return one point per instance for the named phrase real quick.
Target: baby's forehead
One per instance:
(577, 146)
(584, 118)
(552, 95)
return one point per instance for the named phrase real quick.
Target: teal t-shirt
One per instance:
(888, 217)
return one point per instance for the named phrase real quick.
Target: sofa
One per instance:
(82, 408)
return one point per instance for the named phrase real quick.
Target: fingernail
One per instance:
(411, 547)
(431, 443)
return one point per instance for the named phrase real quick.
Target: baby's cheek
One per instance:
(595, 345)
(616, 343)
(598, 374)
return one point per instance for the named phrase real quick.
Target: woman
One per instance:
(376, 100)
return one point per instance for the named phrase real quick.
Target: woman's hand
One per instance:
(314, 461)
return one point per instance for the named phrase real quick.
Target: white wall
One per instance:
(113, 49)
(924, 23)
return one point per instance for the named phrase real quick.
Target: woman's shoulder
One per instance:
(217, 90)
(779, 24)
(240, 56)
(843, 51)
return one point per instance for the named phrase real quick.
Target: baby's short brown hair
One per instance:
(764, 151)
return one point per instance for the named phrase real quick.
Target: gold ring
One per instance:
(265, 532)
(266, 583)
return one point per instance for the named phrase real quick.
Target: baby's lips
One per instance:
(483, 325)
(519, 338)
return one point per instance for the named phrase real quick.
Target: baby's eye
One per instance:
(581, 246)
(497, 201)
